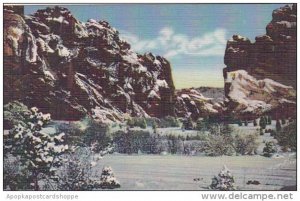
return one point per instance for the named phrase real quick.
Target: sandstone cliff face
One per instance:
(271, 56)
(70, 68)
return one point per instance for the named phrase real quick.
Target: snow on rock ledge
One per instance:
(252, 97)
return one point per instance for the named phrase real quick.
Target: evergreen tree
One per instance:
(269, 120)
(143, 123)
(224, 181)
(108, 180)
(278, 125)
(261, 131)
(188, 124)
(254, 122)
(154, 127)
(240, 122)
(263, 122)
(269, 149)
(39, 153)
(201, 125)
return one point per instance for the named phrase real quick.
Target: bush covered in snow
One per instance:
(269, 149)
(246, 144)
(77, 171)
(108, 180)
(39, 153)
(220, 141)
(224, 181)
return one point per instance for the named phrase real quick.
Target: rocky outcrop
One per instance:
(250, 98)
(191, 103)
(272, 55)
(270, 59)
(70, 69)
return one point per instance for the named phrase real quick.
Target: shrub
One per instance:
(133, 141)
(215, 146)
(224, 181)
(220, 140)
(97, 135)
(283, 121)
(15, 176)
(261, 131)
(246, 144)
(272, 132)
(152, 120)
(188, 123)
(168, 121)
(246, 123)
(175, 145)
(201, 125)
(79, 171)
(39, 152)
(287, 137)
(137, 122)
(269, 149)
(108, 180)
(14, 113)
(73, 133)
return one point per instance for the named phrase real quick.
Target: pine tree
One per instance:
(189, 124)
(269, 120)
(269, 149)
(263, 122)
(154, 127)
(254, 122)
(143, 123)
(278, 125)
(108, 180)
(39, 152)
(240, 122)
(261, 131)
(224, 181)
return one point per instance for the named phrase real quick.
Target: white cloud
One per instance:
(172, 44)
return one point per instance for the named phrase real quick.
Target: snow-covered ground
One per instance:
(176, 172)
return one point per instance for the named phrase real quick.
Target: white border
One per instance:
(128, 195)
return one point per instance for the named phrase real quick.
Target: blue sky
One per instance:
(191, 36)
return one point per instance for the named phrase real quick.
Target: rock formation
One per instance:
(71, 68)
(271, 56)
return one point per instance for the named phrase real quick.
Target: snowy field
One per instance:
(175, 172)
(180, 172)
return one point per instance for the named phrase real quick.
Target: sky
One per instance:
(191, 36)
